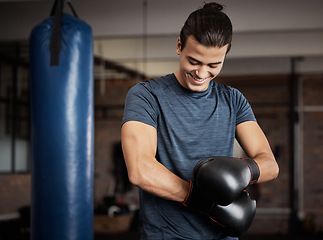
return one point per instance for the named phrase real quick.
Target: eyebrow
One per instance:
(195, 60)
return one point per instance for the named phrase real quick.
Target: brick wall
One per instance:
(14, 192)
(312, 124)
(109, 104)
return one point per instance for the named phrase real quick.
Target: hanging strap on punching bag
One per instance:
(55, 41)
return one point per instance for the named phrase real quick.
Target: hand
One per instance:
(224, 178)
(235, 218)
(218, 192)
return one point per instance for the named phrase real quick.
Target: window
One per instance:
(14, 108)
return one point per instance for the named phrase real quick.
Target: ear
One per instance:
(178, 46)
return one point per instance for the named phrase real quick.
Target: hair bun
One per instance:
(214, 5)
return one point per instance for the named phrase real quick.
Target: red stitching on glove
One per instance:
(188, 194)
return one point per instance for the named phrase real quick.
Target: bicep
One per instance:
(139, 144)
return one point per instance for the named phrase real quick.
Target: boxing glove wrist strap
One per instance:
(254, 169)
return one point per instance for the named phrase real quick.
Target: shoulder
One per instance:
(231, 95)
(225, 89)
(160, 84)
(153, 85)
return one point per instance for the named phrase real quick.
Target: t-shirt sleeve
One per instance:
(141, 106)
(243, 109)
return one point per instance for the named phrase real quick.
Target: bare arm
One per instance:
(139, 144)
(255, 144)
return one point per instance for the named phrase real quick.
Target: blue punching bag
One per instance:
(62, 128)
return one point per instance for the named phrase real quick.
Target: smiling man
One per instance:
(199, 64)
(172, 122)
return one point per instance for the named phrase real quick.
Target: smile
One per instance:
(199, 80)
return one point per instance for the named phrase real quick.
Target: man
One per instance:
(173, 122)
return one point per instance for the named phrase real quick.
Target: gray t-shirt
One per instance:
(190, 126)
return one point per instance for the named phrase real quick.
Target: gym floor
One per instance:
(135, 236)
(19, 229)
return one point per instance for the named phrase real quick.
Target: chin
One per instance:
(198, 88)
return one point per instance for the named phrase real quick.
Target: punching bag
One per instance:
(62, 128)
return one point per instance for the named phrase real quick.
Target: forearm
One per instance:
(267, 165)
(154, 178)
(255, 144)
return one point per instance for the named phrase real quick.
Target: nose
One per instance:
(202, 72)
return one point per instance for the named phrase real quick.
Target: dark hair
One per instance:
(209, 26)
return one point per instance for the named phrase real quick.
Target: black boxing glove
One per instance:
(223, 179)
(235, 218)
(197, 200)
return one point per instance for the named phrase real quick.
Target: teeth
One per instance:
(199, 79)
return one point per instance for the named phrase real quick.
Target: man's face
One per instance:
(198, 64)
